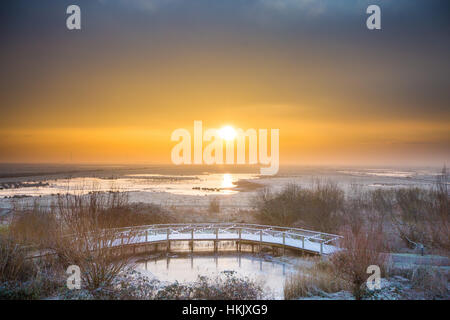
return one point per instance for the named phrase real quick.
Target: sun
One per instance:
(227, 133)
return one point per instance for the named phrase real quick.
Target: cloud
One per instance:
(310, 7)
(144, 5)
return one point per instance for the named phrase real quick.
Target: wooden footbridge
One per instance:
(261, 235)
(163, 235)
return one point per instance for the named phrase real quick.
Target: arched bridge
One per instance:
(288, 238)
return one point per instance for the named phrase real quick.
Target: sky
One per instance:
(114, 91)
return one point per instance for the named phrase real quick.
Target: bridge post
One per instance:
(238, 242)
(303, 242)
(217, 240)
(260, 241)
(146, 235)
(191, 243)
(284, 242)
(321, 248)
(168, 240)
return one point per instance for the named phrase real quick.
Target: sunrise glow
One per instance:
(227, 133)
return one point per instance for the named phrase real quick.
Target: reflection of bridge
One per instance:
(252, 234)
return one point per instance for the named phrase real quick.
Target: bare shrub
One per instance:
(440, 222)
(82, 213)
(85, 237)
(135, 286)
(278, 209)
(137, 214)
(319, 207)
(417, 216)
(358, 252)
(423, 217)
(327, 205)
(82, 230)
(383, 201)
(214, 205)
(225, 286)
(355, 210)
(413, 205)
(94, 253)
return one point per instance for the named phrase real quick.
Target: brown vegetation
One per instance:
(13, 263)
(313, 281)
(80, 230)
(214, 205)
(318, 208)
(413, 216)
(358, 252)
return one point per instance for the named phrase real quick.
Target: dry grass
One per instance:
(432, 281)
(345, 270)
(21, 278)
(13, 263)
(313, 281)
(426, 281)
(33, 225)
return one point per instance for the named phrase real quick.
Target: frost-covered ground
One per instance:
(411, 277)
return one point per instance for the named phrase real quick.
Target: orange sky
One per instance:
(113, 93)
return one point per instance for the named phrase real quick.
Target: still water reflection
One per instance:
(186, 268)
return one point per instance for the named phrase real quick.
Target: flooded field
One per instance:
(172, 186)
(220, 184)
